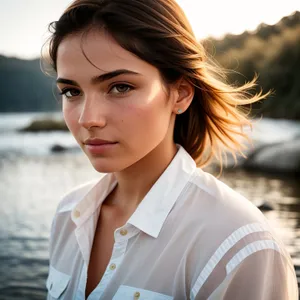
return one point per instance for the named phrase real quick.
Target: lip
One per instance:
(98, 146)
(97, 142)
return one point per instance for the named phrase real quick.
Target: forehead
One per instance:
(102, 50)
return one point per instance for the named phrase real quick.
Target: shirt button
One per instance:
(123, 232)
(76, 213)
(51, 286)
(137, 295)
(112, 266)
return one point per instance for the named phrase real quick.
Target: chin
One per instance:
(112, 165)
(101, 164)
(102, 167)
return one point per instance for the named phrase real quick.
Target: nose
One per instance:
(92, 113)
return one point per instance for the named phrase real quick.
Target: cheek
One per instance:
(71, 115)
(144, 119)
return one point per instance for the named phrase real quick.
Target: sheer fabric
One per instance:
(192, 237)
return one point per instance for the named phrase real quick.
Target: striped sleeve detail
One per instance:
(248, 250)
(226, 245)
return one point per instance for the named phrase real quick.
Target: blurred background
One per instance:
(40, 161)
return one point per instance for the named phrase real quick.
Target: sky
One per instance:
(23, 23)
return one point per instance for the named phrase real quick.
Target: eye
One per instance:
(70, 92)
(120, 88)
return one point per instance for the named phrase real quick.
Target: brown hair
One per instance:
(158, 32)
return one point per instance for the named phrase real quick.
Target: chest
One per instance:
(161, 265)
(102, 247)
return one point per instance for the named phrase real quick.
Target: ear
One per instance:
(184, 95)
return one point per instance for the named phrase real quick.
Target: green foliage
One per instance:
(272, 52)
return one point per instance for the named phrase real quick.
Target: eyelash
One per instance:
(66, 90)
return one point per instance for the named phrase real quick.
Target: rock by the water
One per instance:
(58, 148)
(46, 125)
(277, 157)
(265, 206)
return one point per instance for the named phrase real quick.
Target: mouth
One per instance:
(100, 144)
(97, 146)
(97, 142)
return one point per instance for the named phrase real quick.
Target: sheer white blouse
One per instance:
(191, 237)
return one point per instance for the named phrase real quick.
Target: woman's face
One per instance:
(122, 101)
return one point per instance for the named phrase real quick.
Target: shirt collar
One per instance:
(86, 199)
(153, 210)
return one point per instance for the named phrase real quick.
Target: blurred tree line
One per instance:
(273, 52)
(24, 88)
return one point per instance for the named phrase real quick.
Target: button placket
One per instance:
(123, 231)
(76, 214)
(121, 235)
(116, 259)
(112, 266)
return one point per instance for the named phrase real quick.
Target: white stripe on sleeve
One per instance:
(248, 250)
(227, 244)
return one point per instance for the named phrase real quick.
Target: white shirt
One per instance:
(191, 237)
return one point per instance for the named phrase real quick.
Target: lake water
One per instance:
(33, 180)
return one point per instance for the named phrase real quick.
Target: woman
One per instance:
(147, 108)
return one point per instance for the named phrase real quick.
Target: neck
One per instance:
(135, 181)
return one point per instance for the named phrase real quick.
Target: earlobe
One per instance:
(185, 96)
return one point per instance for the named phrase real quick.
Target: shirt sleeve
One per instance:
(263, 275)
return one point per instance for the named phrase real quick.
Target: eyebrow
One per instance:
(100, 78)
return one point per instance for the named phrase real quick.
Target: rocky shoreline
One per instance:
(45, 125)
(280, 157)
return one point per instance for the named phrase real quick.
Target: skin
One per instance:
(140, 119)
(133, 110)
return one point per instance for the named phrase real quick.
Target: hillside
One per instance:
(24, 87)
(273, 52)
